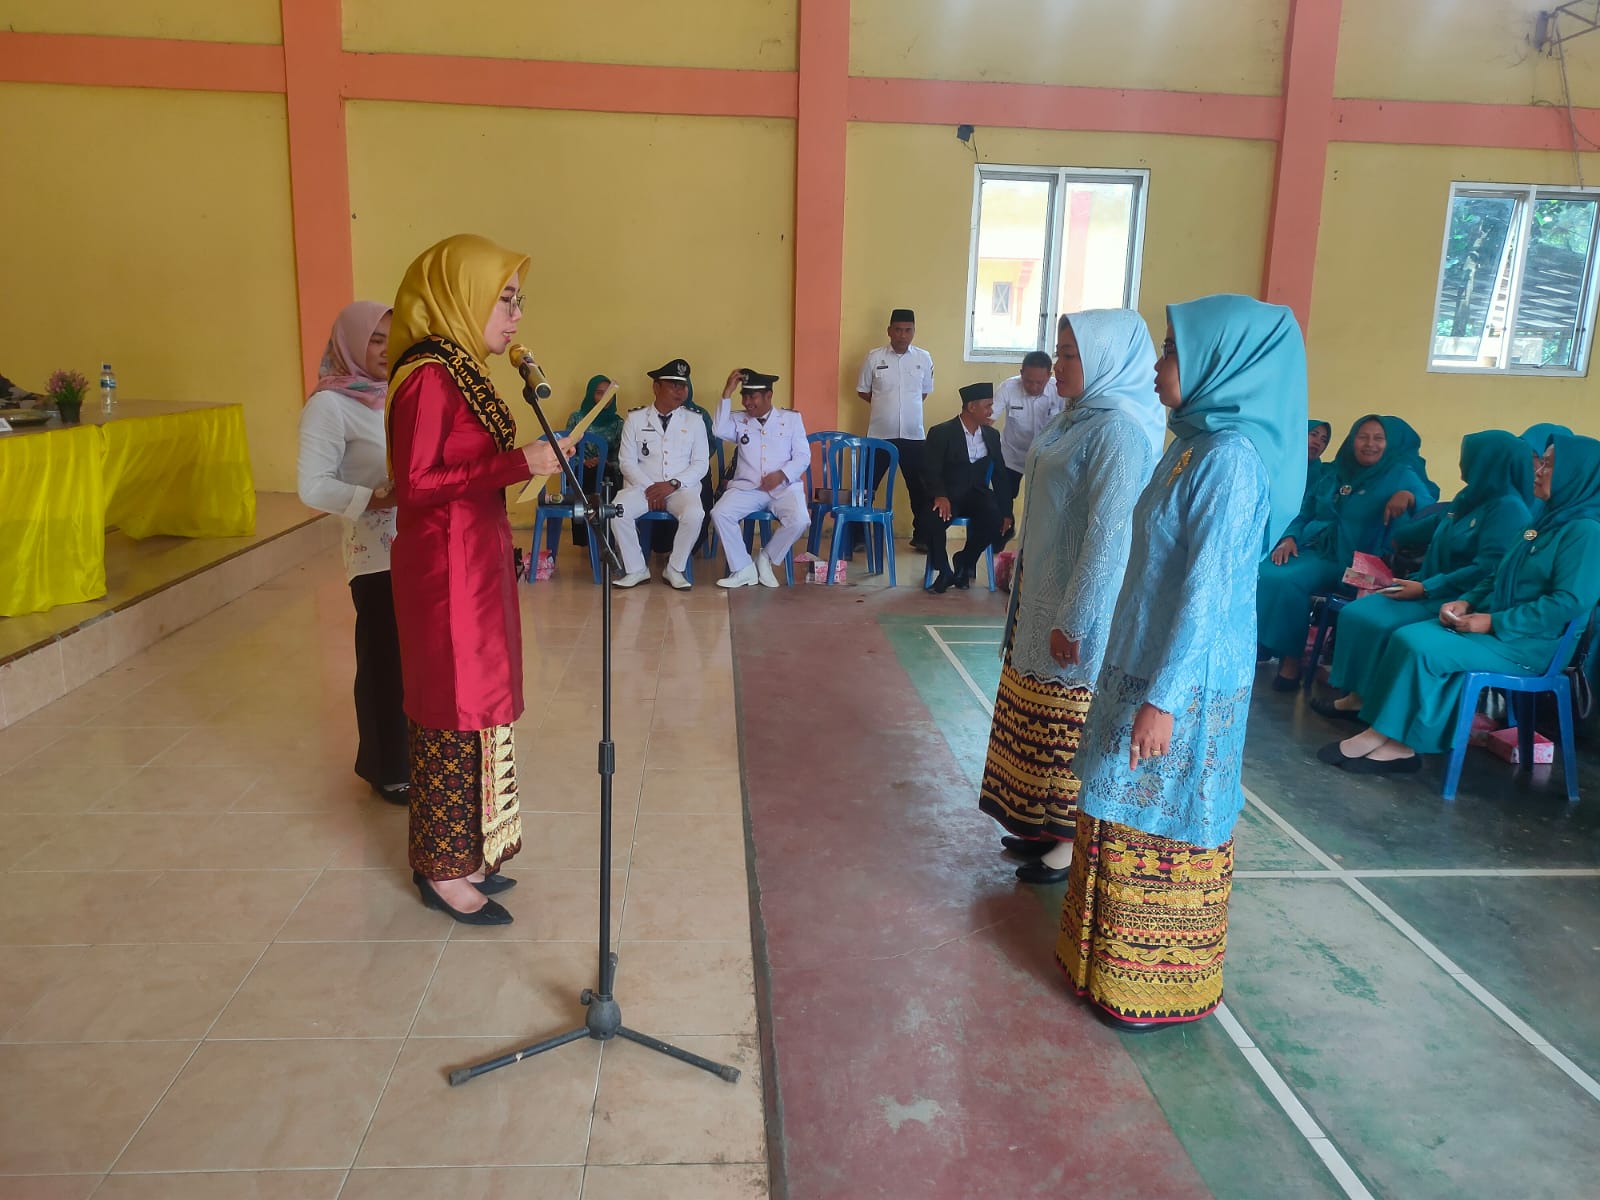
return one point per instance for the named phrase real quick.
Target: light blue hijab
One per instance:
(1119, 362)
(1242, 365)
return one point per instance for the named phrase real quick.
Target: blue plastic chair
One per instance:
(830, 487)
(547, 521)
(1325, 610)
(1523, 688)
(927, 571)
(767, 520)
(863, 453)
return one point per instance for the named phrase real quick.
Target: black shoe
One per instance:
(1280, 684)
(493, 885)
(490, 914)
(1328, 709)
(941, 582)
(1384, 766)
(917, 546)
(395, 793)
(1123, 1025)
(963, 578)
(1029, 848)
(1037, 872)
(1335, 757)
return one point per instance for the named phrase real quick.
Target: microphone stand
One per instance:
(603, 1021)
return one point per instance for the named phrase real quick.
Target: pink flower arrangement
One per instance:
(66, 385)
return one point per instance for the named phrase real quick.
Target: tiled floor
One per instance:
(217, 982)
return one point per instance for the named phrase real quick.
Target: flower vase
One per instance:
(70, 410)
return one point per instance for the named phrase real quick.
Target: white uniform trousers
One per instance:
(683, 504)
(789, 507)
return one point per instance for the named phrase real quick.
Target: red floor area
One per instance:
(921, 1044)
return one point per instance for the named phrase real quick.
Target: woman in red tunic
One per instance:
(452, 454)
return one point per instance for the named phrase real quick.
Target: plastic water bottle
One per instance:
(108, 389)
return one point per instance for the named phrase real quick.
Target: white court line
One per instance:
(1280, 1089)
(1428, 873)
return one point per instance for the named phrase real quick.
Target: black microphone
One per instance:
(522, 360)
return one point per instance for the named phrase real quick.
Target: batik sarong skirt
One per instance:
(464, 811)
(1028, 783)
(1145, 922)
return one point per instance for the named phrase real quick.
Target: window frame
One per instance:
(1527, 196)
(1057, 177)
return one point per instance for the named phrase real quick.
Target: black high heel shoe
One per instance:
(493, 885)
(490, 914)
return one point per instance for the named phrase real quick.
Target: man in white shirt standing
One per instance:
(771, 457)
(663, 458)
(1027, 402)
(896, 380)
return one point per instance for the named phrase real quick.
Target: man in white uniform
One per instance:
(663, 458)
(772, 455)
(1027, 402)
(896, 380)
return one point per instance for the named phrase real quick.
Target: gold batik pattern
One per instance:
(476, 387)
(1028, 784)
(1144, 927)
(464, 812)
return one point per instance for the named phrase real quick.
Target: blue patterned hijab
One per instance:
(1119, 362)
(1242, 365)
(1574, 496)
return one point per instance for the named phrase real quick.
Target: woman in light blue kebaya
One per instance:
(1144, 926)
(1464, 547)
(1083, 474)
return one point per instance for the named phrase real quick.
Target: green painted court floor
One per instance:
(1411, 985)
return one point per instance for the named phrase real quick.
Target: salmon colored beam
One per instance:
(140, 62)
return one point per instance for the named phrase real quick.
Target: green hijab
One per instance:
(609, 423)
(1494, 463)
(1574, 496)
(1402, 450)
(1538, 436)
(1312, 425)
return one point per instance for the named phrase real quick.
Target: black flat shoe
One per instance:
(1384, 766)
(941, 582)
(1335, 757)
(495, 884)
(1280, 684)
(1327, 708)
(395, 793)
(917, 546)
(1123, 1025)
(490, 914)
(962, 578)
(1037, 872)
(1029, 847)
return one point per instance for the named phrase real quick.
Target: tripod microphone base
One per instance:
(604, 1022)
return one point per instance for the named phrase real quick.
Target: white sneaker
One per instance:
(675, 577)
(744, 577)
(632, 578)
(764, 573)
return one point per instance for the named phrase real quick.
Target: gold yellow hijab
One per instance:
(447, 296)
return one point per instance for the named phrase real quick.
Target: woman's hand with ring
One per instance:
(1152, 735)
(1063, 649)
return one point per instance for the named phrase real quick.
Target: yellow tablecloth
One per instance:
(178, 470)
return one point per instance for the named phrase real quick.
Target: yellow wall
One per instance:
(651, 237)
(1377, 269)
(123, 243)
(1216, 46)
(186, 20)
(1473, 51)
(747, 34)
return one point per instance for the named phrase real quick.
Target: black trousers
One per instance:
(381, 754)
(911, 471)
(1007, 483)
(982, 511)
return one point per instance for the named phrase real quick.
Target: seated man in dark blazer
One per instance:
(956, 465)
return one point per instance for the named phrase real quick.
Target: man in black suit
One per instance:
(956, 466)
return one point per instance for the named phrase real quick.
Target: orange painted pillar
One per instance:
(319, 181)
(822, 116)
(1311, 52)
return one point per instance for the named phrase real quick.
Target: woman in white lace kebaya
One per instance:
(1144, 926)
(1083, 474)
